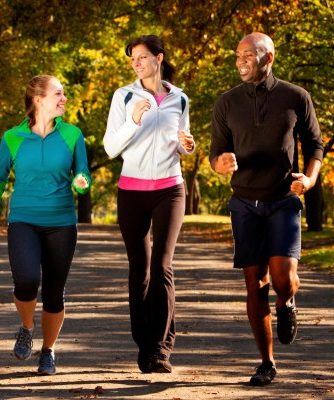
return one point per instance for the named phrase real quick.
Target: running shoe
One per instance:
(161, 363)
(144, 361)
(46, 363)
(287, 322)
(23, 344)
(264, 374)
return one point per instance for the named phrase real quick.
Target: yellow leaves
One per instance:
(104, 175)
(329, 178)
(122, 21)
(6, 34)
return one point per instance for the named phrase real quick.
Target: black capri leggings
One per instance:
(37, 250)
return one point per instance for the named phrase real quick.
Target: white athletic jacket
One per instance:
(150, 150)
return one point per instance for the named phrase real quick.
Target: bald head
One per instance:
(255, 56)
(261, 42)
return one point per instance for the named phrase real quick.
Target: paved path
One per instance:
(215, 353)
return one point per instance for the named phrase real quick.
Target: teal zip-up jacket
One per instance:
(44, 171)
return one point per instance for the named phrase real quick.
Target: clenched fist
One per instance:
(225, 164)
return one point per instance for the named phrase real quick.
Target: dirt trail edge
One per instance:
(215, 353)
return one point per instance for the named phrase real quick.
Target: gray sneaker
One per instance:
(46, 363)
(23, 344)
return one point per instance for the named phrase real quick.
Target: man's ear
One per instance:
(270, 57)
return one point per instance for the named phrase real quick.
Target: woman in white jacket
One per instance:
(148, 125)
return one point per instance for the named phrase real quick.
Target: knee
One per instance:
(26, 290)
(53, 303)
(259, 290)
(256, 279)
(287, 283)
(165, 274)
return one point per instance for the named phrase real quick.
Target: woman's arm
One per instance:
(120, 128)
(82, 179)
(186, 140)
(5, 165)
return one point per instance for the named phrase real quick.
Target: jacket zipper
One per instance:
(255, 105)
(154, 157)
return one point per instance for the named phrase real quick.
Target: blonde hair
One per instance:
(36, 87)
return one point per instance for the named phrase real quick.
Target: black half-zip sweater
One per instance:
(262, 125)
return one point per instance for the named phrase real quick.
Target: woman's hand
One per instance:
(186, 140)
(81, 182)
(138, 110)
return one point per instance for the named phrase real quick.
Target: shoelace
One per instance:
(46, 360)
(263, 369)
(24, 337)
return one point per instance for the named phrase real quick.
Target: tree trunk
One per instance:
(196, 197)
(84, 208)
(314, 207)
(190, 187)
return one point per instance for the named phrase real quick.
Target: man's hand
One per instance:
(225, 164)
(301, 184)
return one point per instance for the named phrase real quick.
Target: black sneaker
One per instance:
(23, 344)
(46, 363)
(264, 374)
(145, 362)
(287, 322)
(161, 364)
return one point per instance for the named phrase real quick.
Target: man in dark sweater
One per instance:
(255, 131)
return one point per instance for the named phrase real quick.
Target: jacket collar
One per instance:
(24, 125)
(267, 85)
(172, 89)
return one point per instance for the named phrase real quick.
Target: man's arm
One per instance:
(222, 157)
(312, 148)
(304, 182)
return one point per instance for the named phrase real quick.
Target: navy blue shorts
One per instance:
(265, 229)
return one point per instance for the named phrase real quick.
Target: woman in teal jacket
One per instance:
(48, 157)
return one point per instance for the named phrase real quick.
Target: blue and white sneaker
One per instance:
(23, 344)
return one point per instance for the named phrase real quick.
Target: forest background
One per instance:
(82, 43)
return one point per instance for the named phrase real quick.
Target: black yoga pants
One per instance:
(151, 278)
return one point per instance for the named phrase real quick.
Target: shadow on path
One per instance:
(214, 355)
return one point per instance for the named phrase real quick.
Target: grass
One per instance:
(108, 219)
(212, 227)
(206, 219)
(322, 258)
(318, 249)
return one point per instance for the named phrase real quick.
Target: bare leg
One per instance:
(285, 280)
(51, 326)
(258, 310)
(26, 310)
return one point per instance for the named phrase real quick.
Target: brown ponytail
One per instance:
(155, 46)
(36, 87)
